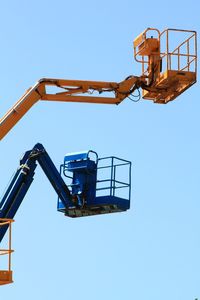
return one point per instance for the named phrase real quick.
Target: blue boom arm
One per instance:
(23, 178)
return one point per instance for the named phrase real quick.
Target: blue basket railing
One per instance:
(114, 168)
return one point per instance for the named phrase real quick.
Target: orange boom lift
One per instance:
(168, 69)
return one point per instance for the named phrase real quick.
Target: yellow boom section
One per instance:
(71, 93)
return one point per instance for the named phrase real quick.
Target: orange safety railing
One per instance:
(186, 59)
(184, 56)
(6, 275)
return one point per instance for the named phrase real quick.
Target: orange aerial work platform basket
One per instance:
(169, 62)
(6, 274)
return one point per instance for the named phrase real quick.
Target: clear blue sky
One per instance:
(152, 251)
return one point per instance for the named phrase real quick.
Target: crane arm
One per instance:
(71, 90)
(23, 178)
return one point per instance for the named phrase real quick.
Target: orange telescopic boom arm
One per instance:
(71, 93)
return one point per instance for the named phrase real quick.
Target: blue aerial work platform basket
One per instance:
(97, 185)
